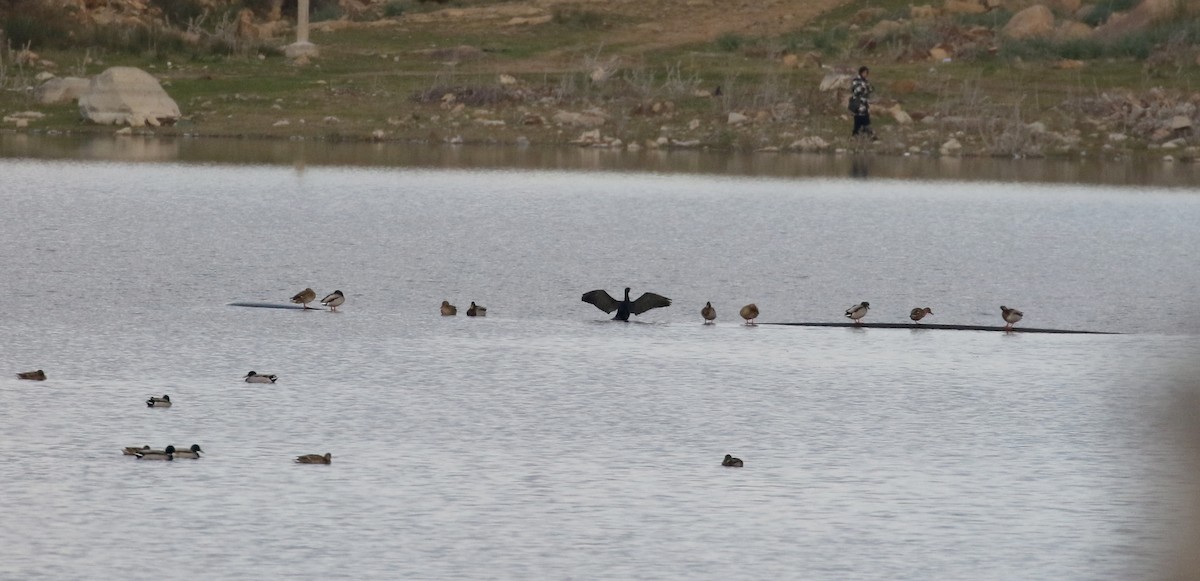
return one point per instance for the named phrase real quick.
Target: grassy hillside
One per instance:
(643, 73)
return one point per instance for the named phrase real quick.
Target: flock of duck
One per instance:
(171, 452)
(599, 298)
(625, 307)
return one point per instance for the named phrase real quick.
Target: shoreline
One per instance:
(364, 154)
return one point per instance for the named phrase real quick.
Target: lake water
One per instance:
(547, 442)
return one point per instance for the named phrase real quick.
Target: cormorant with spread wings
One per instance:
(624, 308)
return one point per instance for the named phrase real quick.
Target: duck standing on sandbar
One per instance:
(919, 313)
(1011, 316)
(709, 313)
(857, 312)
(334, 300)
(304, 297)
(749, 312)
(603, 301)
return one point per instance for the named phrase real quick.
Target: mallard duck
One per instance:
(315, 459)
(1011, 316)
(709, 313)
(253, 377)
(731, 461)
(193, 452)
(919, 313)
(334, 300)
(159, 402)
(448, 310)
(165, 454)
(603, 301)
(476, 310)
(304, 297)
(749, 312)
(857, 312)
(134, 451)
(38, 375)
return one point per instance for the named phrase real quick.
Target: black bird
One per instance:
(626, 307)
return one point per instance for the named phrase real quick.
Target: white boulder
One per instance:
(127, 95)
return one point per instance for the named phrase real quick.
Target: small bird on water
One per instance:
(749, 312)
(38, 375)
(304, 297)
(603, 301)
(315, 459)
(253, 377)
(919, 313)
(334, 300)
(1011, 316)
(857, 312)
(159, 402)
(731, 461)
(476, 310)
(448, 310)
(193, 452)
(709, 313)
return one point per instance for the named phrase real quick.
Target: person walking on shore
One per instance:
(860, 103)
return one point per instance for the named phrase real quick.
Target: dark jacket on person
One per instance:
(860, 95)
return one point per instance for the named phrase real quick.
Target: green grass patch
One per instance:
(730, 42)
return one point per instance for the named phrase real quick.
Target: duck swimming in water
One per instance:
(731, 461)
(193, 452)
(253, 377)
(448, 310)
(709, 313)
(603, 301)
(38, 375)
(315, 459)
(476, 310)
(159, 402)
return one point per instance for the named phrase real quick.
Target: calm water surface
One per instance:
(547, 442)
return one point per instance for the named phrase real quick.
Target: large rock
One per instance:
(1037, 21)
(127, 95)
(1072, 30)
(61, 90)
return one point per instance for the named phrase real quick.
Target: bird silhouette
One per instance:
(603, 301)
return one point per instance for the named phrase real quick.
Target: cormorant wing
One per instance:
(648, 301)
(602, 300)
